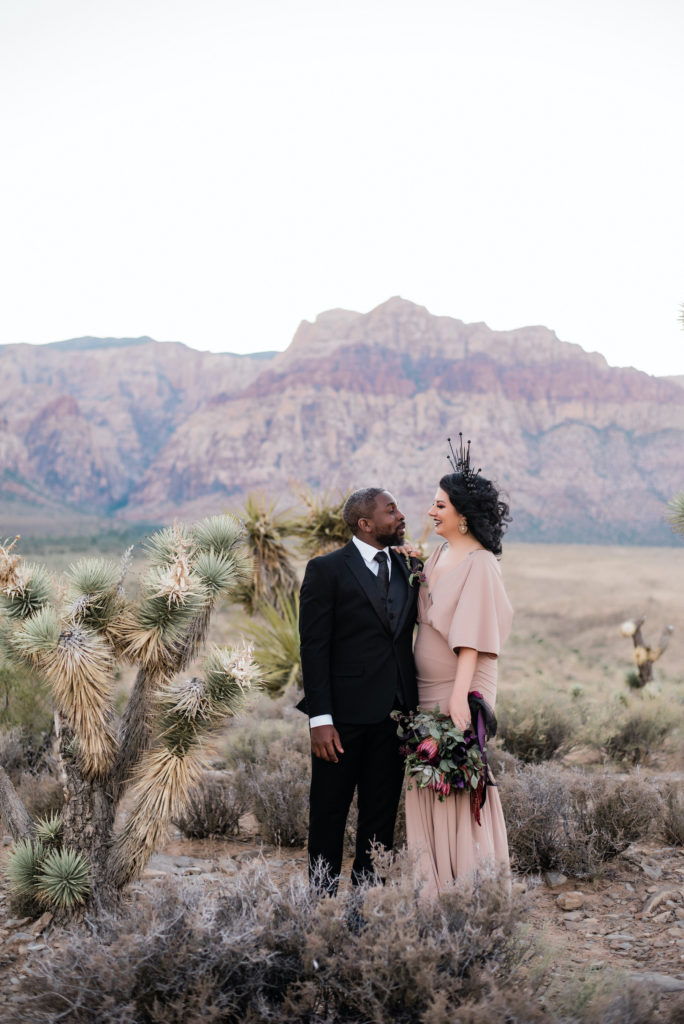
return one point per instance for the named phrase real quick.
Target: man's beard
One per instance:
(392, 539)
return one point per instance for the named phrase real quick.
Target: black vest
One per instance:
(396, 598)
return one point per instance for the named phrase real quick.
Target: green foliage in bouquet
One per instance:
(438, 755)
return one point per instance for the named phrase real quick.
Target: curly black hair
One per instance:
(478, 500)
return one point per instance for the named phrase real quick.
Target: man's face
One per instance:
(386, 525)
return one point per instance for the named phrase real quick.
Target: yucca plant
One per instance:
(63, 879)
(272, 573)
(50, 831)
(675, 513)
(276, 644)
(22, 867)
(321, 527)
(76, 646)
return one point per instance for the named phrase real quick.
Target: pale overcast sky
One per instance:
(214, 172)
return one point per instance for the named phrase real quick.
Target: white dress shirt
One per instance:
(368, 553)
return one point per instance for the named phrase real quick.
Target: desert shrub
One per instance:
(215, 806)
(271, 953)
(642, 731)
(537, 807)
(24, 703)
(43, 794)
(610, 813)
(673, 814)
(278, 793)
(573, 822)
(500, 761)
(12, 743)
(247, 740)
(534, 733)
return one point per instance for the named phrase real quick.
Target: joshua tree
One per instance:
(675, 513)
(276, 644)
(644, 656)
(272, 578)
(74, 639)
(321, 528)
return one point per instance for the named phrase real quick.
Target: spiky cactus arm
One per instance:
(15, 817)
(189, 571)
(138, 718)
(167, 773)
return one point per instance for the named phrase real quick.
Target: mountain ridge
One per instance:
(151, 430)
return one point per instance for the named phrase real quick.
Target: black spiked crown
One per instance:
(460, 461)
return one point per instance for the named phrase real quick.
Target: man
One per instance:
(357, 613)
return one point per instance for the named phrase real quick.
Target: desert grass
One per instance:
(267, 952)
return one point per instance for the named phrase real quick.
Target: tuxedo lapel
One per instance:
(367, 581)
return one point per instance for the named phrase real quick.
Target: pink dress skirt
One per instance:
(443, 835)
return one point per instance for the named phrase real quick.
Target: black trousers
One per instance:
(371, 765)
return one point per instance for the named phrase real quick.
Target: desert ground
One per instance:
(626, 919)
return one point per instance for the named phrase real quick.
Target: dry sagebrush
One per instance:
(570, 821)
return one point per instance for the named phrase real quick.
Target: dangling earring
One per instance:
(463, 526)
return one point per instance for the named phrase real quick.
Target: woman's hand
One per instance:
(407, 548)
(458, 702)
(460, 713)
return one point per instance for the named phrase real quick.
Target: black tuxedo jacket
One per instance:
(356, 661)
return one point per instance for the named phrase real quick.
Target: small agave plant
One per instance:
(44, 874)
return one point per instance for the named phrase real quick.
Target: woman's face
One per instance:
(444, 515)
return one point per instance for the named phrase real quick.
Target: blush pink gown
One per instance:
(466, 607)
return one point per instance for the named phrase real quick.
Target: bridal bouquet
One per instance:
(441, 757)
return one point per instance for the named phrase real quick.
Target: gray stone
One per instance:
(554, 878)
(570, 900)
(662, 981)
(657, 898)
(620, 937)
(651, 869)
(573, 915)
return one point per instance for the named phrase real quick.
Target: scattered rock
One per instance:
(570, 900)
(554, 878)
(662, 981)
(620, 937)
(17, 922)
(573, 915)
(651, 869)
(664, 917)
(41, 924)
(228, 867)
(246, 855)
(658, 897)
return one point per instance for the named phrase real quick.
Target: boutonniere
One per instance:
(415, 567)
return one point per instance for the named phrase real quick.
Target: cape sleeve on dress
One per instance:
(483, 614)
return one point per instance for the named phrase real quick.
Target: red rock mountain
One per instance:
(147, 430)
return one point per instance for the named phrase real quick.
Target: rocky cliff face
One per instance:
(585, 451)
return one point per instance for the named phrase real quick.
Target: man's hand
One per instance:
(326, 743)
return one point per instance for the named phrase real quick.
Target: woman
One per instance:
(463, 618)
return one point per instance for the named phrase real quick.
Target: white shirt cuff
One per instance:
(320, 720)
